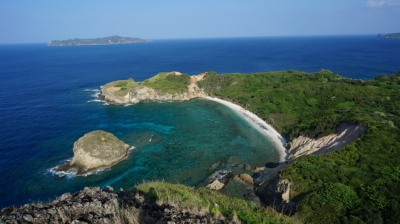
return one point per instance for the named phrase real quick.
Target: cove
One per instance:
(176, 142)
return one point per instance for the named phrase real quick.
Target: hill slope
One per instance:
(358, 183)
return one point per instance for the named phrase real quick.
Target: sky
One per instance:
(40, 21)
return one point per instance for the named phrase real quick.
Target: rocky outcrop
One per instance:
(246, 178)
(142, 93)
(94, 205)
(276, 193)
(346, 133)
(219, 179)
(95, 150)
(215, 185)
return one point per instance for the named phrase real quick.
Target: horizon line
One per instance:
(232, 37)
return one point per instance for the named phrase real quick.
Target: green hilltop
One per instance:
(165, 82)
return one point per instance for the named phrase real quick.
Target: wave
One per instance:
(68, 175)
(96, 93)
(96, 96)
(95, 100)
(91, 90)
(128, 104)
(97, 172)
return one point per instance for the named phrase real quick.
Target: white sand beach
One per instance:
(259, 124)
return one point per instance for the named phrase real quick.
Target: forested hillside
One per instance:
(360, 182)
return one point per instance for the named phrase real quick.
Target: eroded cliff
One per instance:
(274, 190)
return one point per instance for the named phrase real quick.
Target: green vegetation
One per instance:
(101, 144)
(360, 182)
(167, 82)
(211, 202)
(125, 86)
(164, 82)
(98, 41)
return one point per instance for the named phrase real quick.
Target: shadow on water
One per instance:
(274, 165)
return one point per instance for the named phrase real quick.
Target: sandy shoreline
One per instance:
(259, 124)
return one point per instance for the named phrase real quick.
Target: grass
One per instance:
(166, 82)
(211, 202)
(163, 82)
(103, 141)
(126, 86)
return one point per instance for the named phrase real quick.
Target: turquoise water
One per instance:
(180, 141)
(177, 142)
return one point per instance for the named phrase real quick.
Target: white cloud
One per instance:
(375, 3)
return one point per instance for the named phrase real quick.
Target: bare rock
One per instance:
(245, 166)
(246, 178)
(216, 185)
(346, 133)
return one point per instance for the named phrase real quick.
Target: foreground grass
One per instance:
(202, 200)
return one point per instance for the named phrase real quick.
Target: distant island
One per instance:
(98, 41)
(391, 36)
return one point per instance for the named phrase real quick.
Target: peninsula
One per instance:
(165, 86)
(98, 41)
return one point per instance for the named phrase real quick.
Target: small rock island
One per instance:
(95, 150)
(98, 41)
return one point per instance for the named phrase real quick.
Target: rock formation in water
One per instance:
(95, 150)
(130, 92)
(219, 179)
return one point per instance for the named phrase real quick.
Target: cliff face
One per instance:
(95, 150)
(346, 133)
(142, 93)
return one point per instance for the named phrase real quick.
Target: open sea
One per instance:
(48, 98)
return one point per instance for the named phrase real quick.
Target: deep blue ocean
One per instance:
(47, 98)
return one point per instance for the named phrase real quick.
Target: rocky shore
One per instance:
(95, 205)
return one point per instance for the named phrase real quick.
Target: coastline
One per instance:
(259, 124)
